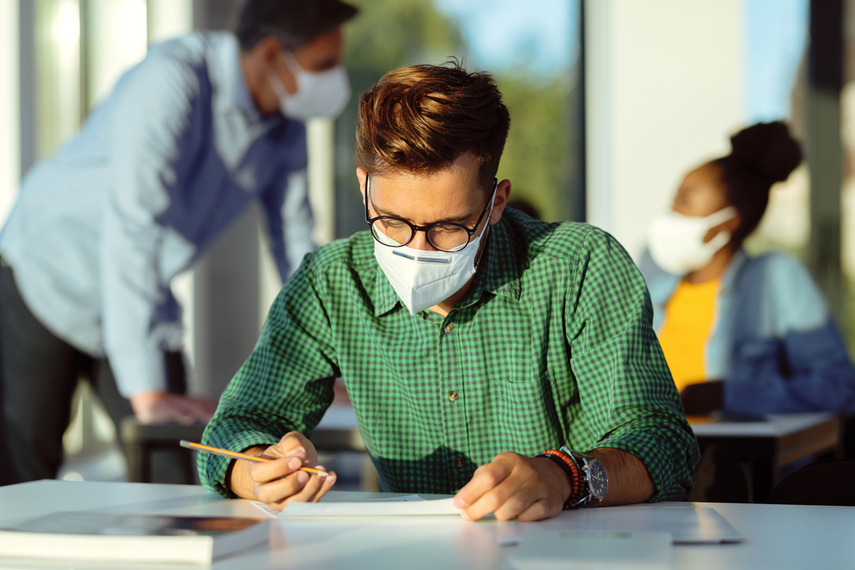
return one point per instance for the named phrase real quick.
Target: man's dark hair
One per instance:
(294, 22)
(420, 119)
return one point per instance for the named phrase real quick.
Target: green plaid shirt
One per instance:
(552, 346)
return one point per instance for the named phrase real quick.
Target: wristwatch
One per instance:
(587, 476)
(593, 478)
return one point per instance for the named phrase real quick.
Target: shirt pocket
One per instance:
(526, 417)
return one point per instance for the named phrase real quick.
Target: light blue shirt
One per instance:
(773, 341)
(161, 168)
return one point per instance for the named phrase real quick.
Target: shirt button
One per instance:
(453, 396)
(448, 328)
(459, 462)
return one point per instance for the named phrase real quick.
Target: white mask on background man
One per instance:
(677, 241)
(319, 95)
(422, 278)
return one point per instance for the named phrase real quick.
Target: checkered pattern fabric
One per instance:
(552, 346)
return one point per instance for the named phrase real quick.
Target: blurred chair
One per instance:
(152, 450)
(142, 442)
(823, 483)
(719, 477)
(848, 437)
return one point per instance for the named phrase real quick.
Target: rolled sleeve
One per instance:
(625, 387)
(285, 385)
(154, 101)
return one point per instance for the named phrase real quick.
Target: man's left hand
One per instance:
(514, 485)
(158, 406)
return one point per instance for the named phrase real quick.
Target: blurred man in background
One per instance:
(203, 126)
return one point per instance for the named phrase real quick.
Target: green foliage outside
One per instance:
(539, 158)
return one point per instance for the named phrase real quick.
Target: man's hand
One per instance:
(513, 485)
(703, 398)
(279, 482)
(159, 406)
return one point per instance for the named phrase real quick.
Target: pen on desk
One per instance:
(238, 455)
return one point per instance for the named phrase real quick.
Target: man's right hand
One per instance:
(281, 481)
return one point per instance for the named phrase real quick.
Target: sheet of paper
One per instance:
(409, 505)
(687, 523)
(569, 550)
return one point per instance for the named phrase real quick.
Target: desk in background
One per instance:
(336, 432)
(768, 446)
(776, 536)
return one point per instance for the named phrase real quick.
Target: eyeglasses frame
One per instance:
(426, 229)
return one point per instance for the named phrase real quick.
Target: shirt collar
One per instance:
(728, 280)
(500, 273)
(229, 76)
(384, 294)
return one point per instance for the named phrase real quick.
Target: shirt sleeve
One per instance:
(626, 392)
(285, 385)
(801, 364)
(153, 104)
(289, 221)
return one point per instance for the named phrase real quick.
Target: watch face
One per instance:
(597, 479)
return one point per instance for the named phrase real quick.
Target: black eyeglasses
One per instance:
(444, 236)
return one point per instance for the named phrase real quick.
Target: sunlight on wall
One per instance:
(117, 36)
(10, 134)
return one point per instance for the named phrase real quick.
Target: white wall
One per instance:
(10, 133)
(168, 19)
(664, 91)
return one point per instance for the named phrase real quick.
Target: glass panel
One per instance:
(115, 39)
(847, 129)
(58, 87)
(531, 49)
(775, 89)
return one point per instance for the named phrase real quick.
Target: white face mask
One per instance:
(677, 241)
(422, 278)
(320, 94)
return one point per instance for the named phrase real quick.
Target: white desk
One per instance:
(780, 440)
(776, 536)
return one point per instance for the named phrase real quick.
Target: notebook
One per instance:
(132, 537)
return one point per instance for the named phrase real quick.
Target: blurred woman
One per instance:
(749, 335)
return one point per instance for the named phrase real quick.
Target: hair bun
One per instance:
(768, 149)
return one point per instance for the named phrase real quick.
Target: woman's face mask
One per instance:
(320, 94)
(676, 241)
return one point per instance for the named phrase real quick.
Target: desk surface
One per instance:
(776, 536)
(776, 425)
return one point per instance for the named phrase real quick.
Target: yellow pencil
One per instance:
(238, 455)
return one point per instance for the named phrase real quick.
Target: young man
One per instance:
(471, 338)
(203, 126)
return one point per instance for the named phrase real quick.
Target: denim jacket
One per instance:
(773, 340)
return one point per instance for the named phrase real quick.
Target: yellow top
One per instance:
(688, 321)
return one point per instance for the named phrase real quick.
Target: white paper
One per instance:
(567, 550)
(410, 505)
(687, 523)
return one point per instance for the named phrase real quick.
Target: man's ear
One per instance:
(362, 176)
(503, 192)
(267, 49)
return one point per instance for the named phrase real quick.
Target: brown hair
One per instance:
(421, 118)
